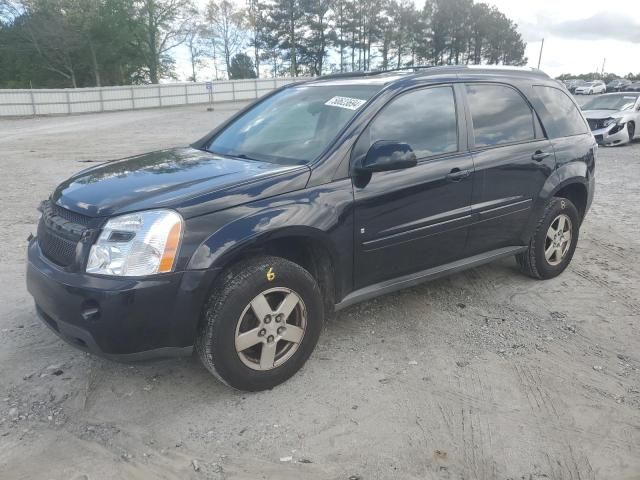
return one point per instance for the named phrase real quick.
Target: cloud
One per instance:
(602, 26)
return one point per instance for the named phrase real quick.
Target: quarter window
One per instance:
(564, 118)
(500, 115)
(425, 119)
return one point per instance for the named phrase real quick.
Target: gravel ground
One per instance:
(483, 375)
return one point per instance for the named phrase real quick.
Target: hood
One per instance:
(191, 181)
(600, 114)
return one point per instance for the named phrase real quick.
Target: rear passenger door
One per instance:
(512, 161)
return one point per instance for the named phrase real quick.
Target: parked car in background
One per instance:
(632, 87)
(617, 85)
(573, 84)
(614, 118)
(591, 88)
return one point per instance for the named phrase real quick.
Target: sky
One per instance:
(579, 35)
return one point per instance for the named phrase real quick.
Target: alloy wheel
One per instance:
(558, 240)
(270, 329)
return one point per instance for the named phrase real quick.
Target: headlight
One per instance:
(609, 121)
(137, 244)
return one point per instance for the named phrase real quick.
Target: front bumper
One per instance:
(605, 138)
(120, 318)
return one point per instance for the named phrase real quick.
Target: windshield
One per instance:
(624, 101)
(293, 126)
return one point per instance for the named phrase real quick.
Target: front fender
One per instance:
(322, 214)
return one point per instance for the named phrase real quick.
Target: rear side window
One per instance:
(425, 119)
(500, 115)
(564, 119)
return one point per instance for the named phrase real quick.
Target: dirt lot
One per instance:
(483, 375)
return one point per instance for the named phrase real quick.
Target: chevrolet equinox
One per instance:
(318, 195)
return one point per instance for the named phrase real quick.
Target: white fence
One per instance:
(103, 99)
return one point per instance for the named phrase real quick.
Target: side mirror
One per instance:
(384, 156)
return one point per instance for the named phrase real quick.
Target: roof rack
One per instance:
(420, 68)
(368, 73)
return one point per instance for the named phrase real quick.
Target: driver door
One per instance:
(413, 219)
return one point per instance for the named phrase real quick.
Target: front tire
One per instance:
(262, 322)
(631, 129)
(554, 242)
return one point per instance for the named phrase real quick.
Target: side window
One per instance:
(500, 115)
(425, 119)
(564, 118)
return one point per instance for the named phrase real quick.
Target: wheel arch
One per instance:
(309, 247)
(575, 191)
(572, 179)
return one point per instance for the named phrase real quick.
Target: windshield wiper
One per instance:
(246, 157)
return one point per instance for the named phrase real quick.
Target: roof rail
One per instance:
(415, 68)
(420, 68)
(368, 73)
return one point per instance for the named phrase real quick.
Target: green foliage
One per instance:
(69, 43)
(241, 67)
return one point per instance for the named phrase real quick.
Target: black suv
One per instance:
(317, 196)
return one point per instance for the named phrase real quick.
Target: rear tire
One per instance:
(553, 243)
(277, 305)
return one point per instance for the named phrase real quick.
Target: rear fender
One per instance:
(566, 174)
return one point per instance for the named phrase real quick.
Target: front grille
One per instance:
(59, 232)
(69, 215)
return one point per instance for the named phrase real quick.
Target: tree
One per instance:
(162, 28)
(256, 22)
(195, 41)
(241, 67)
(225, 27)
(45, 30)
(287, 22)
(320, 34)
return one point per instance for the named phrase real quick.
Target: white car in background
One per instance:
(597, 86)
(614, 118)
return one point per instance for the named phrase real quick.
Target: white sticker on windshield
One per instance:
(346, 102)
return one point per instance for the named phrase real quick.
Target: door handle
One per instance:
(456, 174)
(539, 155)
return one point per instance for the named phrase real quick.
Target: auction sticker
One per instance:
(346, 102)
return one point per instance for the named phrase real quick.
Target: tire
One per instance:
(229, 313)
(534, 262)
(631, 129)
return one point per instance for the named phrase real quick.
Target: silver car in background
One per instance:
(614, 118)
(590, 88)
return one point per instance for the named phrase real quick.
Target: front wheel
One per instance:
(631, 129)
(262, 322)
(552, 245)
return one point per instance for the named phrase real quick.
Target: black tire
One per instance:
(533, 262)
(631, 128)
(232, 293)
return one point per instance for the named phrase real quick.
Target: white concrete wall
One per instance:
(68, 101)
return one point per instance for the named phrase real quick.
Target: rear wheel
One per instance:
(552, 246)
(262, 322)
